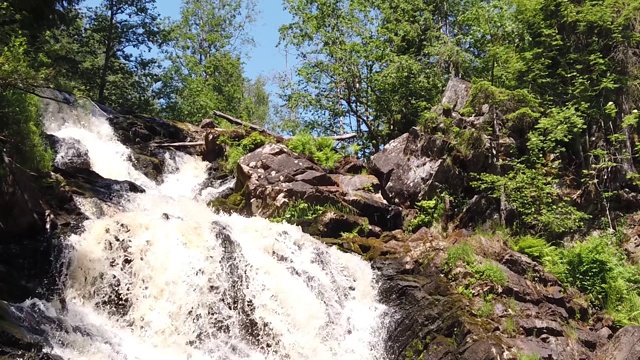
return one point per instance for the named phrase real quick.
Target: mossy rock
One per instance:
(150, 166)
(234, 203)
(369, 248)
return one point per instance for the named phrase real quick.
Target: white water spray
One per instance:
(164, 277)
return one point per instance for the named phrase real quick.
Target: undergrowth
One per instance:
(301, 210)
(485, 270)
(21, 130)
(238, 149)
(320, 149)
(597, 267)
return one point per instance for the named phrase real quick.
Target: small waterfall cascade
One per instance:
(159, 275)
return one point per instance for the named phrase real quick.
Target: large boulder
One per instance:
(625, 345)
(456, 94)
(143, 135)
(273, 175)
(412, 167)
(88, 183)
(70, 152)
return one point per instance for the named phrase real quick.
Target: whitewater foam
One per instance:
(161, 276)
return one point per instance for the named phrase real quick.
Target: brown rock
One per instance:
(625, 345)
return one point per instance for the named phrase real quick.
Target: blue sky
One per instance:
(264, 59)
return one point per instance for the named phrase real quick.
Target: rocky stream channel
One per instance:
(133, 250)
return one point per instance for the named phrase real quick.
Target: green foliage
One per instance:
(238, 149)
(363, 67)
(360, 230)
(22, 128)
(299, 210)
(533, 195)
(502, 100)
(598, 268)
(321, 149)
(429, 211)
(486, 270)
(533, 247)
(15, 65)
(510, 326)
(205, 70)
(527, 356)
(490, 271)
(555, 130)
(116, 27)
(459, 253)
(487, 308)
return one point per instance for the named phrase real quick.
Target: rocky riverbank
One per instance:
(454, 287)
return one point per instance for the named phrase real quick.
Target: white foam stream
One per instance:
(201, 285)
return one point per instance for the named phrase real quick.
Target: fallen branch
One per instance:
(278, 137)
(233, 120)
(178, 144)
(343, 136)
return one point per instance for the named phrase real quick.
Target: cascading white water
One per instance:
(161, 276)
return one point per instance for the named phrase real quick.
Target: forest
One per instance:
(561, 77)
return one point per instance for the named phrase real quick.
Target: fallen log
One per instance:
(178, 144)
(278, 137)
(239, 122)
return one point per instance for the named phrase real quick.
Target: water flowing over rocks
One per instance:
(145, 270)
(116, 255)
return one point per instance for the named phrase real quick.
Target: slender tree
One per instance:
(205, 57)
(121, 26)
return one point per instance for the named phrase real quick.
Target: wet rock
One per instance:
(88, 183)
(333, 224)
(142, 133)
(21, 210)
(150, 166)
(134, 130)
(16, 342)
(70, 152)
(35, 213)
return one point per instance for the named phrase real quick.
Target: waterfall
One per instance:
(160, 275)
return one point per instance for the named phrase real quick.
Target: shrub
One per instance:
(456, 253)
(22, 128)
(533, 247)
(320, 149)
(487, 270)
(598, 268)
(301, 210)
(302, 143)
(537, 202)
(490, 271)
(429, 211)
(238, 149)
(528, 357)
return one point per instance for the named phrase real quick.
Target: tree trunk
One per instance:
(104, 72)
